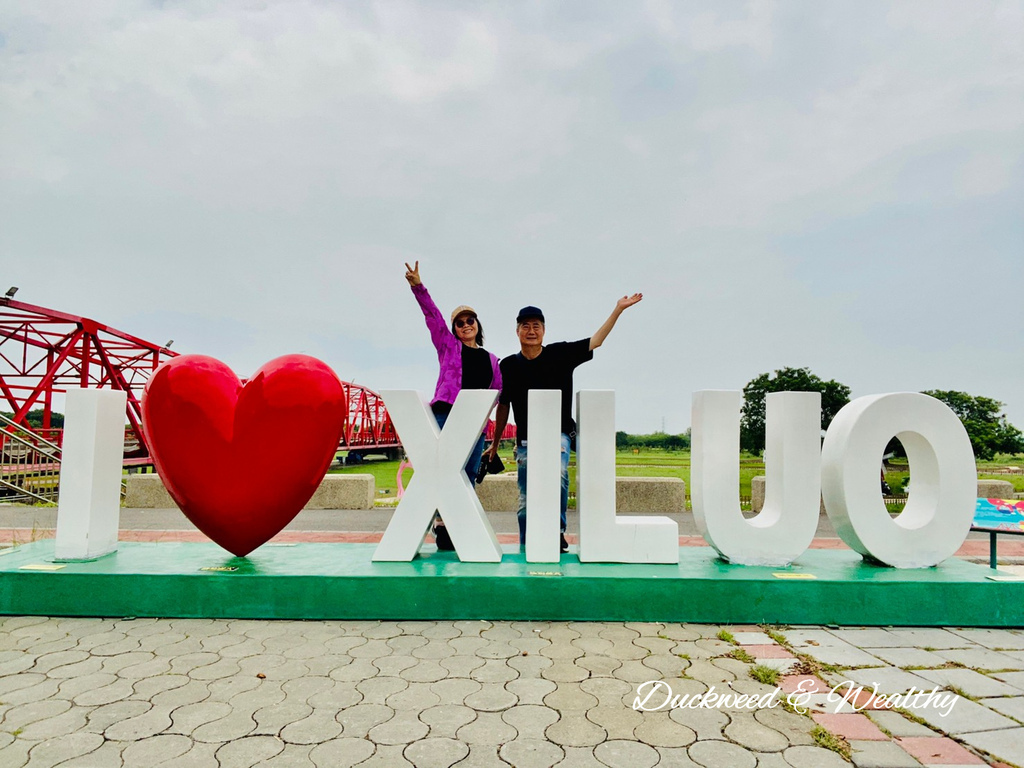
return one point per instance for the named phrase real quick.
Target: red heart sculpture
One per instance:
(242, 460)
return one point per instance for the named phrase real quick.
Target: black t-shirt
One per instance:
(551, 369)
(476, 368)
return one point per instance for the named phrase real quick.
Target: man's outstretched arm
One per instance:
(602, 333)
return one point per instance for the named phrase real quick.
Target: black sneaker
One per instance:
(565, 544)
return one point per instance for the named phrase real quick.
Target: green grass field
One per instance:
(627, 464)
(654, 463)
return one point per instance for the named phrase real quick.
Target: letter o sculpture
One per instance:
(941, 505)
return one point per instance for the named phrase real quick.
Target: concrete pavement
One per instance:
(224, 693)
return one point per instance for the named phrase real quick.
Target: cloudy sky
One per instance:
(837, 185)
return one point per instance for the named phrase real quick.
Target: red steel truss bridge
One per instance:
(44, 352)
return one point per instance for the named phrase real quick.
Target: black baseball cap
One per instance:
(528, 313)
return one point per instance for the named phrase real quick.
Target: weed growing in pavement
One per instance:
(828, 740)
(726, 636)
(765, 674)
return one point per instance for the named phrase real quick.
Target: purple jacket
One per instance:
(449, 351)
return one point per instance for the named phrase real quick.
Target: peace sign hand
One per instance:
(412, 274)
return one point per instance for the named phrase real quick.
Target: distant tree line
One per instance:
(35, 418)
(624, 441)
(987, 427)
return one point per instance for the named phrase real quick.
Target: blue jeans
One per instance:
(564, 499)
(473, 464)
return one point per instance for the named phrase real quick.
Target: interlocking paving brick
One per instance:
(997, 639)
(187, 718)
(880, 754)
(530, 753)
(666, 664)
(495, 671)
(659, 730)
(748, 732)
(618, 721)
(59, 725)
(248, 751)
(403, 728)
(963, 717)
(376, 690)
(752, 638)
(530, 720)
(317, 727)
(108, 755)
(967, 680)
(721, 754)
(427, 671)
(458, 666)
(414, 698)
(487, 728)
(983, 658)
(897, 724)
(530, 690)
(24, 715)
(908, 657)
(826, 647)
(530, 666)
(931, 637)
(708, 724)
(341, 753)
(570, 696)
(292, 756)
(887, 679)
(445, 720)
(492, 697)
(1011, 706)
(357, 721)
(851, 726)
(156, 749)
(455, 690)
(936, 750)
(435, 753)
(55, 750)
(575, 730)
(102, 717)
(795, 728)
(813, 757)
(193, 692)
(564, 672)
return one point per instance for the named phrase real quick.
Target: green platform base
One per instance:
(339, 581)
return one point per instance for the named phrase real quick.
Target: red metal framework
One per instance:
(43, 352)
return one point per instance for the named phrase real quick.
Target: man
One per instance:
(544, 367)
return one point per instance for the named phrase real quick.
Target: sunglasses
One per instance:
(464, 322)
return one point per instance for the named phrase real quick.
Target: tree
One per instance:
(986, 425)
(833, 397)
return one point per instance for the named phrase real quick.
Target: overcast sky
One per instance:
(838, 185)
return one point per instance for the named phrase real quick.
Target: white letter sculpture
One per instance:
(938, 514)
(439, 482)
(604, 537)
(785, 526)
(544, 479)
(90, 475)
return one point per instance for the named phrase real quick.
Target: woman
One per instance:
(464, 364)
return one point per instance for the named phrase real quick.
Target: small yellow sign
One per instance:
(220, 568)
(785, 575)
(544, 573)
(41, 567)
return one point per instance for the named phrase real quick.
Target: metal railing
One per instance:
(29, 465)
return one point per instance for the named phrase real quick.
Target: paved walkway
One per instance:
(225, 693)
(182, 693)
